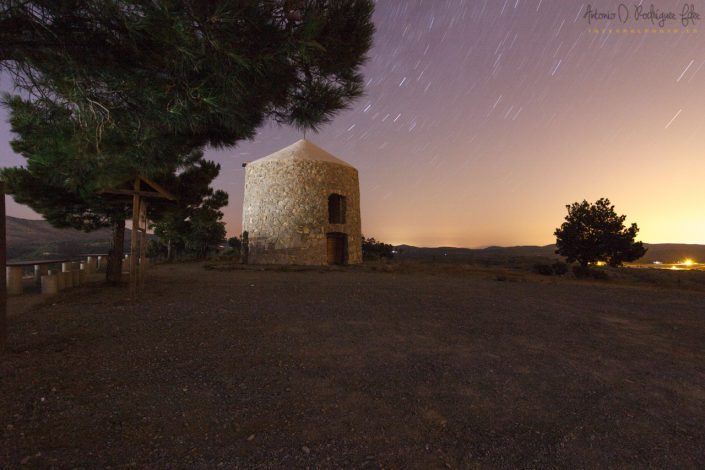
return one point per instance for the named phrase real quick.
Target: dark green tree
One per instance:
(64, 174)
(375, 250)
(171, 230)
(194, 224)
(60, 180)
(594, 232)
(235, 243)
(210, 72)
(207, 228)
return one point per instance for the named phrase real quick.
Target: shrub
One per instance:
(543, 269)
(559, 268)
(155, 250)
(599, 274)
(230, 254)
(375, 250)
(581, 272)
(235, 243)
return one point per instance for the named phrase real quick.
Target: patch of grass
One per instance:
(664, 278)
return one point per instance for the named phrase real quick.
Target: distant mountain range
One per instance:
(663, 252)
(37, 239)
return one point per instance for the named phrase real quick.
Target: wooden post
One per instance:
(134, 238)
(3, 280)
(13, 280)
(143, 243)
(138, 242)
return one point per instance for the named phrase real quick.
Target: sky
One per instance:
(482, 119)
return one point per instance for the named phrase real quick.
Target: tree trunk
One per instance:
(169, 253)
(113, 273)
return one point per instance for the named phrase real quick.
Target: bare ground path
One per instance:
(356, 369)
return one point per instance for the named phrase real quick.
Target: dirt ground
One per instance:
(356, 369)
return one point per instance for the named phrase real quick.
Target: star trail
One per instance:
(482, 119)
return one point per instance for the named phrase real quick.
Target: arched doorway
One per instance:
(336, 248)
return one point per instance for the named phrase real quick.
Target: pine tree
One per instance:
(194, 224)
(64, 175)
(209, 71)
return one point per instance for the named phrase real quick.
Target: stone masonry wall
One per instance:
(285, 210)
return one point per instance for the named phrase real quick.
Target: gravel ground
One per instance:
(356, 369)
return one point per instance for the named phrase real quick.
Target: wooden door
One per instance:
(336, 248)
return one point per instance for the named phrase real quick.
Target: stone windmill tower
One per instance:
(302, 206)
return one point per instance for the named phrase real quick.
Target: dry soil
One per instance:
(353, 369)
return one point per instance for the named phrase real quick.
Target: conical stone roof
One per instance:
(302, 150)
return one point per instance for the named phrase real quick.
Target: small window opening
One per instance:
(336, 209)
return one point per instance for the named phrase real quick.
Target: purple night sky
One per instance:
(482, 119)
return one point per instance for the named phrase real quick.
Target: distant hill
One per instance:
(37, 239)
(673, 252)
(493, 255)
(664, 252)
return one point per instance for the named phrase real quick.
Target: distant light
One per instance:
(675, 268)
(600, 263)
(658, 262)
(688, 262)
